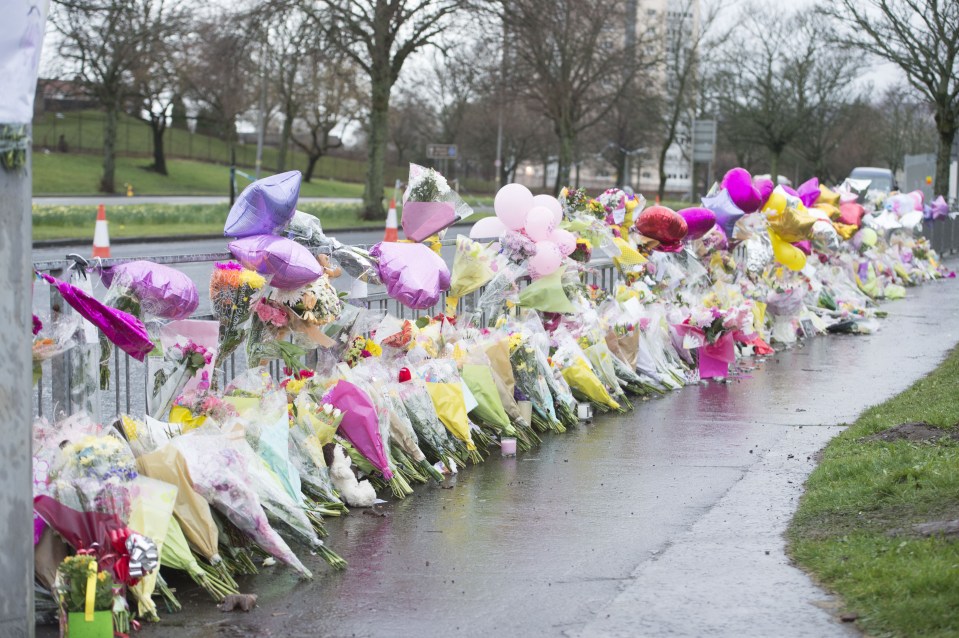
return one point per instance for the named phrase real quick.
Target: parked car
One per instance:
(880, 179)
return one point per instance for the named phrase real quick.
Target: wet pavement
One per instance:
(653, 523)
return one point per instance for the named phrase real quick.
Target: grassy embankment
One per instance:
(854, 528)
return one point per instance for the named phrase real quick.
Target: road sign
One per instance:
(704, 140)
(441, 151)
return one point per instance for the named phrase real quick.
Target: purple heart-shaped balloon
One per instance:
(699, 221)
(739, 183)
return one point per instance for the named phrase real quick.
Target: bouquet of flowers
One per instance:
(220, 475)
(268, 326)
(580, 376)
(313, 426)
(310, 308)
(531, 382)
(233, 292)
(431, 433)
(180, 364)
(429, 204)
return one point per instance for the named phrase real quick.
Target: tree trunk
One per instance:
(158, 127)
(285, 135)
(661, 191)
(107, 184)
(312, 159)
(376, 153)
(621, 177)
(774, 166)
(567, 142)
(947, 135)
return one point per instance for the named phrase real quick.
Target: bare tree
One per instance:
(331, 96)
(104, 44)
(922, 38)
(686, 31)
(412, 125)
(772, 79)
(220, 73)
(289, 33)
(156, 80)
(571, 62)
(380, 36)
(908, 126)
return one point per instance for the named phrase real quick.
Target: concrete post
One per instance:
(16, 474)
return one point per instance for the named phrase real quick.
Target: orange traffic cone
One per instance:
(392, 230)
(101, 236)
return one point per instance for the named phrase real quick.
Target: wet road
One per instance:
(565, 540)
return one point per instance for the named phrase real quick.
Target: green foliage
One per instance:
(903, 584)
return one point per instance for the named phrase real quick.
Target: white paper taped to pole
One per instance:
(20, 43)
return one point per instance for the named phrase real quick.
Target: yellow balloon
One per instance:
(787, 254)
(827, 196)
(776, 203)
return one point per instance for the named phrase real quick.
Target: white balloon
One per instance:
(550, 202)
(488, 227)
(511, 204)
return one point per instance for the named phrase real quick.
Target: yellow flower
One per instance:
(251, 278)
(373, 348)
(295, 386)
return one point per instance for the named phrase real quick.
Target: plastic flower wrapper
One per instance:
(473, 266)
(143, 288)
(221, 476)
(404, 435)
(564, 404)
(150, 514)
(603, 364)
(547, 294)
(176, 554)
(52, 339)
(429, 204)
(501, 291)
(489, 408)
(431, 433)
(582, 379)
(531, 382)
(233, 292)
(360, 424)
(495, 354)
(313, 427)
(450, 408)
(181, 362)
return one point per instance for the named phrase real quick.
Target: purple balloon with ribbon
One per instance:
(726, 211)
(265, 206)
(288, 264)
(739, 183)
(413, 274)
(163, 291)
(121, 328)
(699, 221)
(809, 192)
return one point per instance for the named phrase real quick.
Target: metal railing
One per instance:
(943, 234)
(57, 394)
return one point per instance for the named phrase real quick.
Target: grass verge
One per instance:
(66, 174)
(174, 220)
(900, 583)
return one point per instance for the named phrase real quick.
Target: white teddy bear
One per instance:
(355, 493)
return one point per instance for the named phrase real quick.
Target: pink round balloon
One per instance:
(804, 245)
(539, 223)
(546, 260)
(511, 204)
(699, 221)
(739, 183)
(550, 202)
(564, 240)
(488, 227)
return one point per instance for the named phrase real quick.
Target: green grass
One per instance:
(59, 174)
(903, 585)
(160, 220)
(171, 220)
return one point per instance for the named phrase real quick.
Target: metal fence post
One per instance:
(16, 365)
